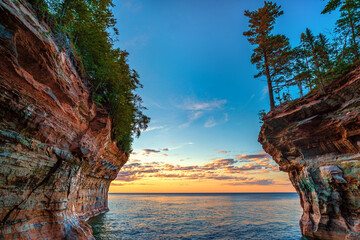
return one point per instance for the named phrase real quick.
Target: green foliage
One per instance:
(348, 25)
(315, 61)
(271, 52)
(90, 26)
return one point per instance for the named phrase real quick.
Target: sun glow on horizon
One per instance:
(242, 173)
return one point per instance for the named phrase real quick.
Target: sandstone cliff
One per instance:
(317, 141)
(57, 158)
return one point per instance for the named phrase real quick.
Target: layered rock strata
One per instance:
(316, 140)
(57, 158)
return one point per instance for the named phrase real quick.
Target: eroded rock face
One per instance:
(317, 141)
(57, 158)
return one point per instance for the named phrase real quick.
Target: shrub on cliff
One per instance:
(89, 25)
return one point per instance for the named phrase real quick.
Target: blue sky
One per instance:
(198, 81)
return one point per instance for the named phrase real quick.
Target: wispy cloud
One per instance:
(198, 110)
(223, 151)
(211, 122)
(192, 117)
(204, 106)
(153, 128)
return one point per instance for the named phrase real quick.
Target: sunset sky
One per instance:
(198, 81)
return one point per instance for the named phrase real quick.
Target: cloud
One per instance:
(153, 128)
(222, 169)
(219, 163)
(254, 156)
(193, 116)
(196, 115)
(180, 146)
(149, 151)
(223, 151)
(199, 108)
(204, 106)
(117, 184)
(210, 123)
(254, 182)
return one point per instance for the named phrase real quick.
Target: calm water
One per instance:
(200, 216)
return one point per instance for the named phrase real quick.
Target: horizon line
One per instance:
(192, 192)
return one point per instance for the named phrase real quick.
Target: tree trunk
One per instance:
(268, 77)
(300, 88)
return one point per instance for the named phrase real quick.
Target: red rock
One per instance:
(316, 139)
(57, 158)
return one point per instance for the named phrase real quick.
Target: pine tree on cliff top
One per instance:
(270, 55)
(349, 22)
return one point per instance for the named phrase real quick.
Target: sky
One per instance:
(194, 63)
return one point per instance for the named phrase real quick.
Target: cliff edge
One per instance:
(57, 158)
(316, 140)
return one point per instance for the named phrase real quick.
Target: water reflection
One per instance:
(200, 216)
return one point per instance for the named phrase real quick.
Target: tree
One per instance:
(299, 73)
(90, 25)
(324, 51)
(349, 22)
(270, 55)
(310, 44)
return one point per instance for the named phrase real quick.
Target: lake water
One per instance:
(200, 216)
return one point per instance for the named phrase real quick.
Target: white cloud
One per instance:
(210, 123)
(153, 128)
(198, 109)
(193, 116)
(196, 115)
(205, 106)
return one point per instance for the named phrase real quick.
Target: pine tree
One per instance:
(269, 56)
(323, 51)
(349, 22)
(309, 41)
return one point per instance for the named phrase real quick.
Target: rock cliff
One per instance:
(316, 140)
(57, 158)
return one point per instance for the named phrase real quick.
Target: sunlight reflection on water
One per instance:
(200, 216)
